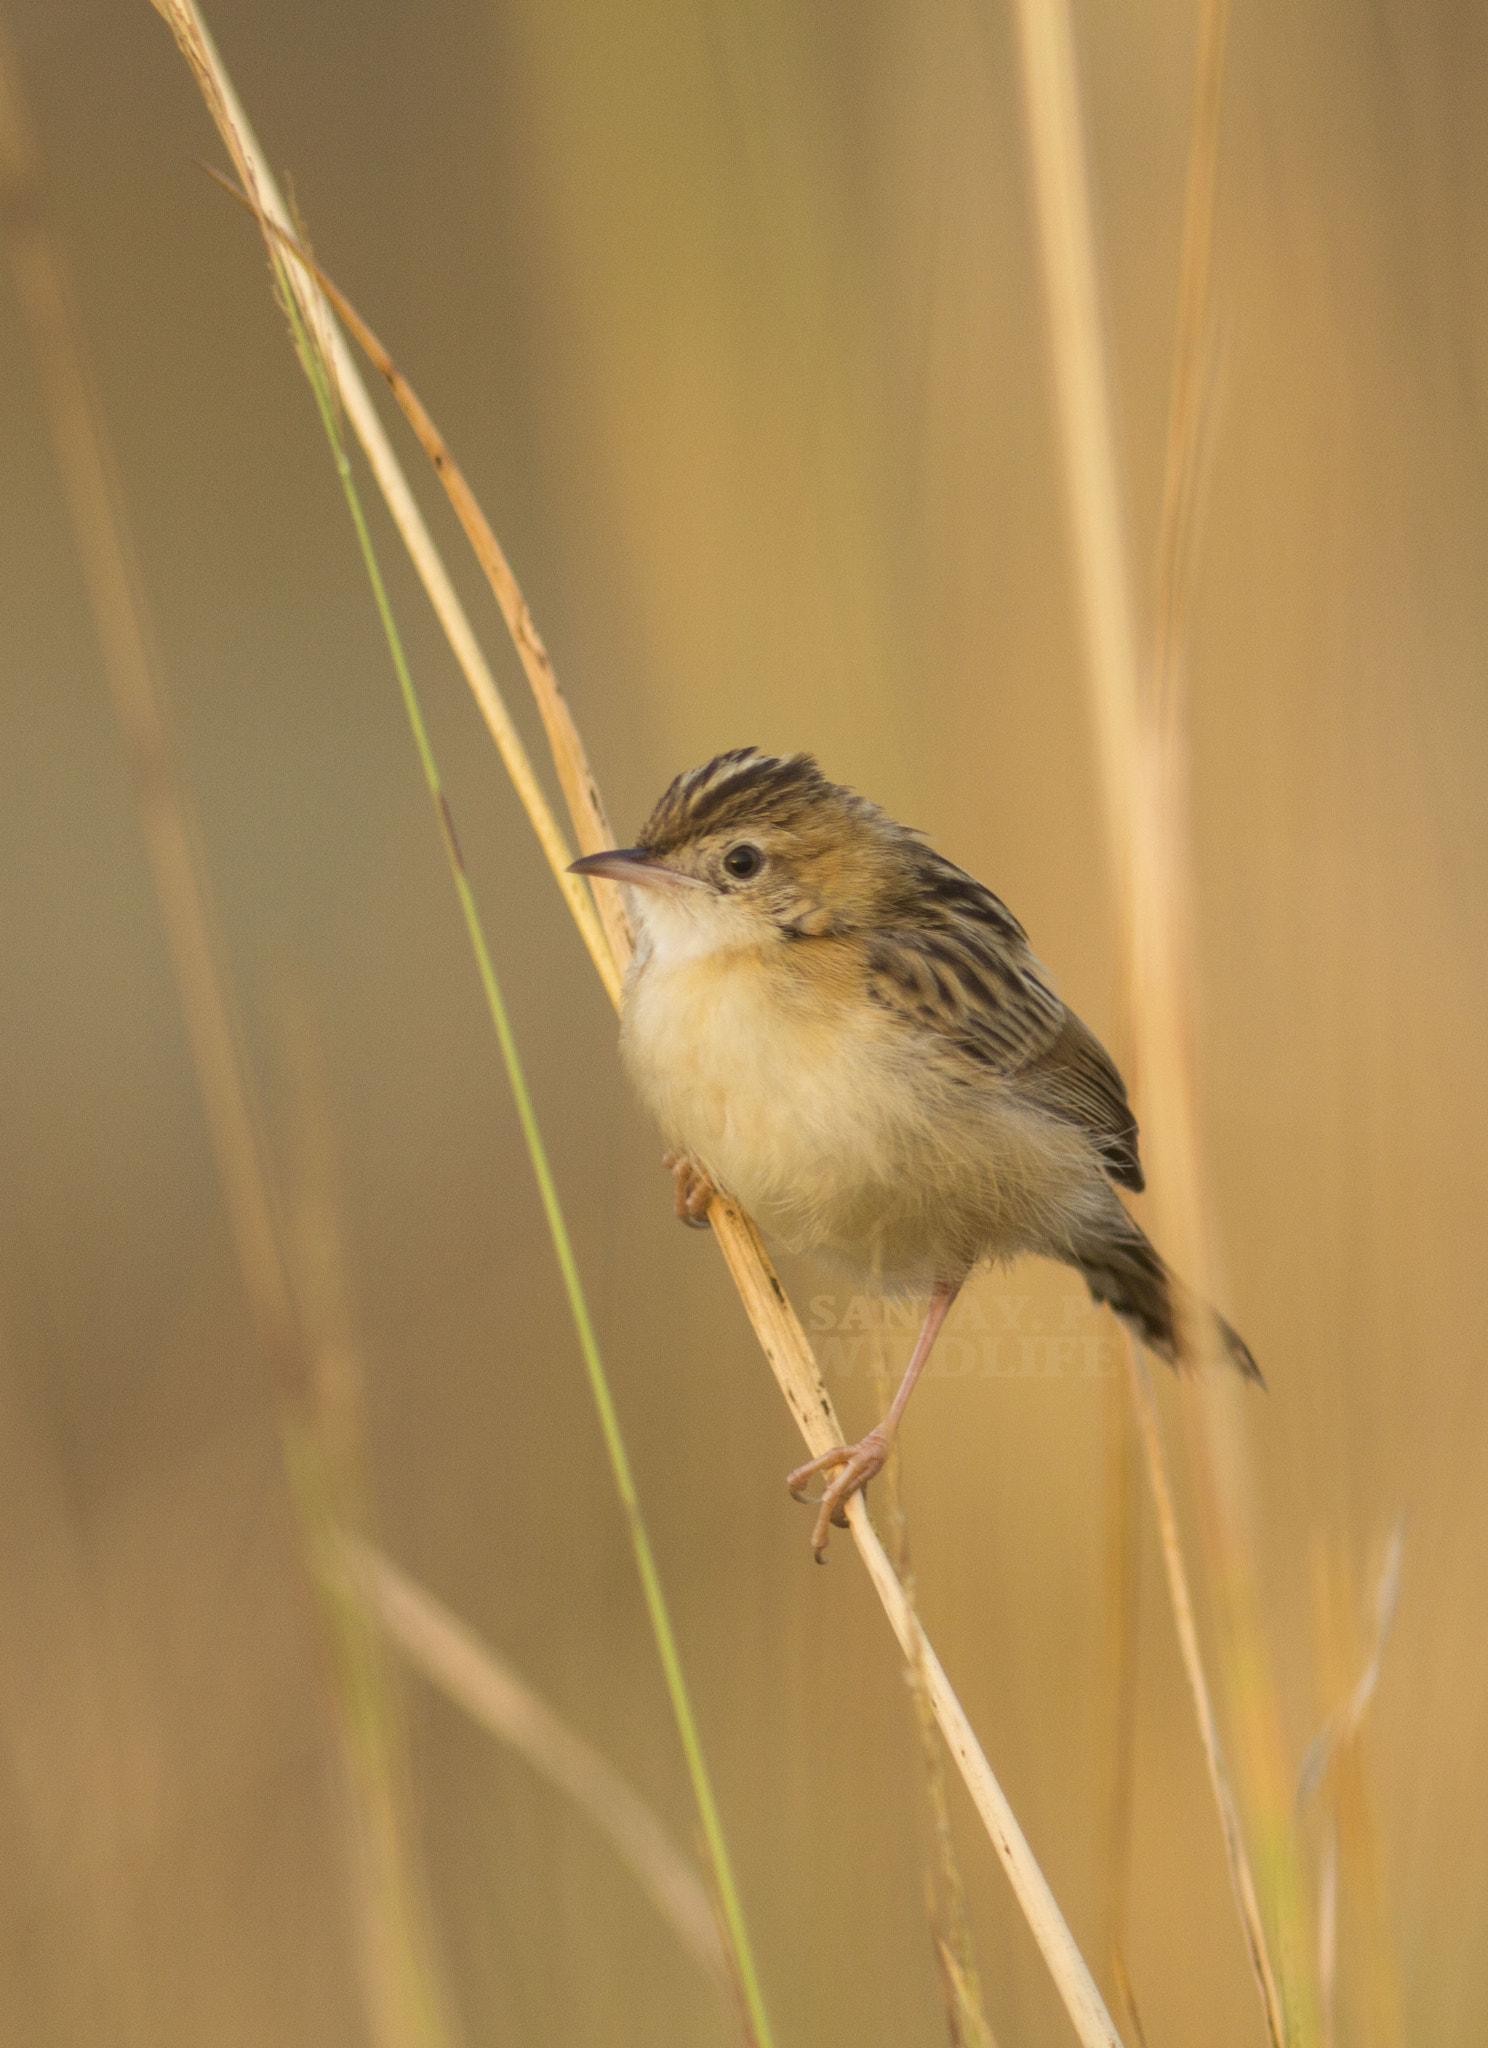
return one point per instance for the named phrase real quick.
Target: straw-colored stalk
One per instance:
(375, 1604)
(731, 1912)
(790, 1358)
(232, 124)
(945, 1888)
(776, 1324)
(1193, 1664)
(1123, 1607)
(453, 1658)
(326, 1462)
(1161, 977)
(325, 1455)
(1142, 775)
(1333, 1775)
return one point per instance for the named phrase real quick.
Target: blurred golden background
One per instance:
(732, 316)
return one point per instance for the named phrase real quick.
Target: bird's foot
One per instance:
(852, 1466)
(692, 1190)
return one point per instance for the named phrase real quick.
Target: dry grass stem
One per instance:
(1193, 1664)
(325, 1447)
(1333, 1776)
(964, 1999)
(580, 790)
(1123, 1600)
(466, 1670)
(1067, 245)
(744, 1975)
(791, 1360)
(778, 1328)
(368, 1593)
(196, 46)
(1327, 1941)
(1185, 409)
(1143, 784)
(1347, 1718)
(945, 1888)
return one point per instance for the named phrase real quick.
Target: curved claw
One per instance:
(854, 1465)
(692, 1191)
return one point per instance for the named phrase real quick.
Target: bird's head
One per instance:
(755, 848)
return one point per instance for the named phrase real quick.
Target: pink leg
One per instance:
(855, 1464)
(692, 1191)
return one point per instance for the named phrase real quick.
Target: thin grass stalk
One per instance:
(1162, 968)
(1123, 1608)
(1193, 1663)
(580, 790)
(945, 1888)
(1141, 766)
(779, 1330)
(376, 1605)
(791, 1359)
(964, 1998)
(318, 372)
(196, 46)
(793, 1363)
(467, 1670)
(408, 2004)
(1177, 520)
(1332, 1772)
(233, 1123)
(326, 1459)
(1327, 1938)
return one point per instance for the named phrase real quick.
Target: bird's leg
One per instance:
(691, 1189)
(853, 1465)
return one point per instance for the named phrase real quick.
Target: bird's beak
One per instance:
(635, 867)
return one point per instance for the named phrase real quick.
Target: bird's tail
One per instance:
(1126, 1271)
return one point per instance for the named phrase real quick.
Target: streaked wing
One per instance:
(962, 972)
(1076, 1080)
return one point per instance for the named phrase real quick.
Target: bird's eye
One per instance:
(743, 860)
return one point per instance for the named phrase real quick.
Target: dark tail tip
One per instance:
(1130, 1275)
(1239, 1351)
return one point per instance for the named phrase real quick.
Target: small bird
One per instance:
(851, 1037)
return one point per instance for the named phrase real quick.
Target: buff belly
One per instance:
(839, 1133)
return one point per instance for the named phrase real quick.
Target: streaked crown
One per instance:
(747, 789)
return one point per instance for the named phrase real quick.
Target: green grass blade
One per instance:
(609, 1421)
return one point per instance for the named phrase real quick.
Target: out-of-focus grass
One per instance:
(316, 364)
(300, 1330)
(1141, 747)
(301, 1315)
(776, 1324)
(723, 317)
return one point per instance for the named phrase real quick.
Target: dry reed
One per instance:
(1123, 1607)
(325, 1455)
(196, 46)
(1141, 765)
(945, 1887)
(453, 1658)
(778, 1328)
(744, 1976)
(407, 2002)
(1332, 1778)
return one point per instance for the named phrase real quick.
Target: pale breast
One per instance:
(839, 1128)
(776, 1091)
